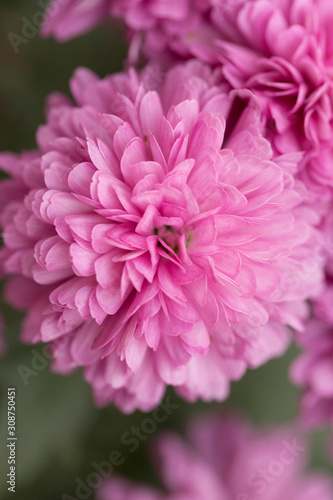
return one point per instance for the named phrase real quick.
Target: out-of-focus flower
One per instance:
(2, 326)
(153, 238)
(282, 50)
(227, 460)
(313, 369)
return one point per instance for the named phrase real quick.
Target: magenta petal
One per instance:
(108, 273)
(81, 343)
(83, 260)
(198, 336)
(134, 353)
(209, 130)
(110, 299)
(150, 112)
(168, 285)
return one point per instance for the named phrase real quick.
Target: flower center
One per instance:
(170, 237)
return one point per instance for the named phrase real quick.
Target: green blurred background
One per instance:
(60, 432)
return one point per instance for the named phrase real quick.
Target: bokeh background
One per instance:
(60, 431)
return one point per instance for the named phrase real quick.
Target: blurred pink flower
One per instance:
(155, 26)
(313, 369)
(153, 238)
(228, 460)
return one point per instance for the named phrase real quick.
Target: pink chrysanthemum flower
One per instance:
(154, 239)
(228, 460)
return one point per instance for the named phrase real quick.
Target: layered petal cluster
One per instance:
(153, 237)
(280, 49)
(226, 460)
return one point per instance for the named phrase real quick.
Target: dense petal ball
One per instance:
(228, 460)
(153, 237)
